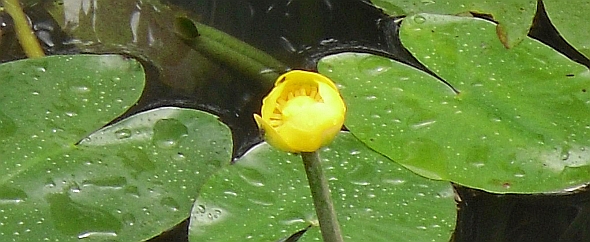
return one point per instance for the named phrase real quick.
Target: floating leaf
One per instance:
(49, 104)
(570, 20)
(126, 182)
(519, 124)
(265, 197)
(515, 16)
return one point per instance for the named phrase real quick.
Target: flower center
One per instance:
(292, 100)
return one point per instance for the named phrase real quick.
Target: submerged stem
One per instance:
(230, 51)
(24, 33)
(322, 200)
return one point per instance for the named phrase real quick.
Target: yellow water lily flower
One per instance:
(303, 112)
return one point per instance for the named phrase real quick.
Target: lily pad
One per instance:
(570, 20)
(55, 101)
(514, 121)
(265, 196)
(515, 17)
(126, 182)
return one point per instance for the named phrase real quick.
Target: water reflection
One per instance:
(180, 76)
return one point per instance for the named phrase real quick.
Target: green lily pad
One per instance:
(570, 20)
(515, 17)
(265, 197)
(55, 101)
(126, 182)
(520, 122)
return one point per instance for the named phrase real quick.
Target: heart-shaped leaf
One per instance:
(126, 182)
(519, 121)
(265, 196)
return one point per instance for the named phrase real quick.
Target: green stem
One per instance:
(322, 200)
(230, 51)
(24, 33)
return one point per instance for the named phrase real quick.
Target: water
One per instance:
(272, 27)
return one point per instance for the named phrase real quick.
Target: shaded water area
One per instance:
(297, 33)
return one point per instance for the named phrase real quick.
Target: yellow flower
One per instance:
(303, 112)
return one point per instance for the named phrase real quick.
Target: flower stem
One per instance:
(24, 33)
(322, 200)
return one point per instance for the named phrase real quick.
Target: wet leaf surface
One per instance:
(265, 197)
(514, 16)
(570, 21)
(518, 124)
(126, 182)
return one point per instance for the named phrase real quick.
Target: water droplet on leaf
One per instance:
(123, 133)
(9, 195)
(108, 182)
(423, 124)
(252, 177)
(168, 133)
(374, 66)
(371, 98)
(132, 190)
(419, 19)
(170, 203)
(128, 219)
(89, 221)
(80, 89)
(97, 235)
(178, 156)
(200, 209)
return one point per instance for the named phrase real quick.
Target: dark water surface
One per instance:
(298, 33)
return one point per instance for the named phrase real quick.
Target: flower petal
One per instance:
(271, 136)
